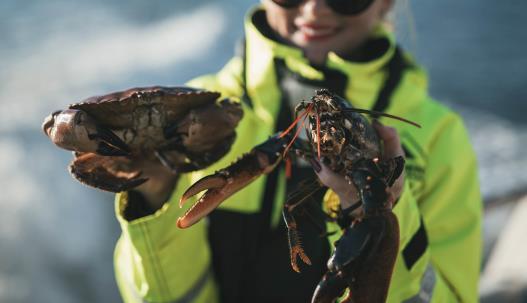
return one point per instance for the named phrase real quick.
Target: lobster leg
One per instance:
(298, 199)
(295, 244)
(313, 208)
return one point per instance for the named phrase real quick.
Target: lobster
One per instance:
(343, 139)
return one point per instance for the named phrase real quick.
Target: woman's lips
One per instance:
(312, 32)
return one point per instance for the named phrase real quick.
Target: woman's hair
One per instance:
(401, 21)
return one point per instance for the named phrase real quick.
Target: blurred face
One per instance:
(317, 29)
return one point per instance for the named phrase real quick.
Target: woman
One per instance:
(293, 47)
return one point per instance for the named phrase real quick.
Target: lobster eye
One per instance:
(333, 105)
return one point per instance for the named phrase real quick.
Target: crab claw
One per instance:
(105, 173)
(75, 130)
(260, 160)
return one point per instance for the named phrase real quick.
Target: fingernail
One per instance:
(316, 165)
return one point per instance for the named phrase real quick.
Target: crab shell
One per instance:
(138, 115)
(188, 126)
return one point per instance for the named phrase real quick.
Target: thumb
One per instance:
(391, 140)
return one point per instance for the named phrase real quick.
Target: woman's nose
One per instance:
(315, 8)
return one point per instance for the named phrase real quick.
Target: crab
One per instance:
(113, 135)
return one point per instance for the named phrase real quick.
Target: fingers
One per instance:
(392, 149)
(346, 190)
(343, 188)
(390, 138)
(327, 176)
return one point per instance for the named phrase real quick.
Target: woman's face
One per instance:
(317, 29)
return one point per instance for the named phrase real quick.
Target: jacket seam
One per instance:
(161, 281)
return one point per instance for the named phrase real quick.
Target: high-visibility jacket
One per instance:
(439, 211)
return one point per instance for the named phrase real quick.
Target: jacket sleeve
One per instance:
(154, 260)
(452, 209)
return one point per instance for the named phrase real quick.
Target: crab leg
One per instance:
(262, 159)
(109, 144)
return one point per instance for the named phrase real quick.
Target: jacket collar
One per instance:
(257, 31)
(365, 77)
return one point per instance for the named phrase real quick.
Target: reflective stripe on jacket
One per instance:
(439, 211)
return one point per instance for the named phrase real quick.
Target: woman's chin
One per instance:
(316, 56)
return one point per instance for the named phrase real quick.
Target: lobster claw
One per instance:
(343, 266)
(363, 261)
(330, 288)
(262, 159)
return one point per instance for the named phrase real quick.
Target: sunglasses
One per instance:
(342, 7)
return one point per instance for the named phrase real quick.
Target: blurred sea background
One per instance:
(57, 236)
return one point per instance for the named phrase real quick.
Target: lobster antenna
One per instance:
(318, 136)
(299, 129)
(308, 135)
(373, 112)
(295, 122)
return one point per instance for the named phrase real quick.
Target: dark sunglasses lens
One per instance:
(349, 7)
(288, 3)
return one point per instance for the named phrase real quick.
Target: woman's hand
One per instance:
(347, 192)
(160, 184)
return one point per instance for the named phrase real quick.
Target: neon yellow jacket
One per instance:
(439, 211)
